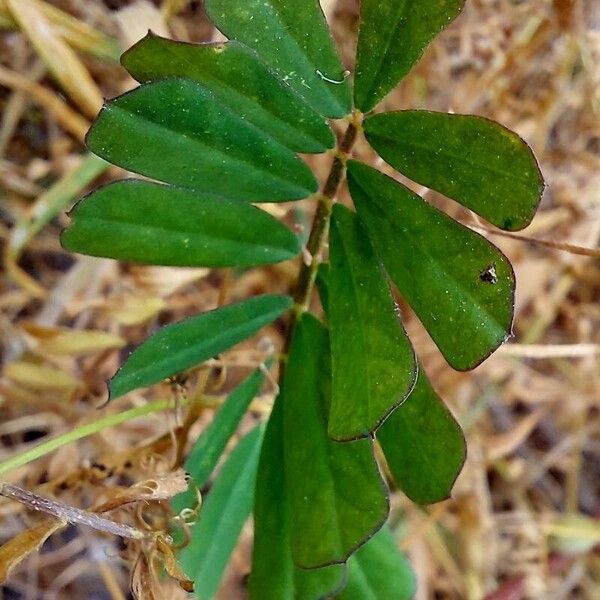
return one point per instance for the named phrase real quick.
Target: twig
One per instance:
(70, 514)
(541, 351)
(565, 247)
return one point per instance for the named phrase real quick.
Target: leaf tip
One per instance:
(115, 390)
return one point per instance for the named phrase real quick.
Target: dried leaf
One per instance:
(39, 377)
(71, 342)
(135, 310)
(54, 200)
(137, 18)
(64, 460)
(164, 281)
(76, 33)
(144, 581)
(573, 534)
(13, 552)
(503, 444)
(159, 488)
(49, 100)
(172, 566)
(62, 62)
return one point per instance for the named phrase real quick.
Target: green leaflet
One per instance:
(379, 571)
(241, 81)
(460, 286)
(274, 575)
(424, 445)
(392, 38)
(179, 347)
(373, 363)
(212, 441)
(291, 37)
(156, 224)
(178, 132)
(337, 499)
(223, 514)
(472, 160)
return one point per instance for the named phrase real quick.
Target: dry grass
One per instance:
(523, 522)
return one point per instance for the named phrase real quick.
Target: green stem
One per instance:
(84, 431)
(320, 226)
(302, 295)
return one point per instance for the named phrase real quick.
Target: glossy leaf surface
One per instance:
(373, 363)
(292, 37)
(178, 132)
(157, 224)
(379, 571)
(424, 445)
(274, 575)
(337, 499)
(472, 160)
(209, 447)
(222, 516)
(241, 81)
(392, 38)
(179, 347)
(460, 286)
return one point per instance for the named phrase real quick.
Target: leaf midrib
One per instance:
(442, 275)
(195, 234)
(522, 181)
(231, 89)
(244, 162)
(140, 373)
(373, 83)
(363, 337)
(309, 67)
(306, 64)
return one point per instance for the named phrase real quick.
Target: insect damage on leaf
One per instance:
(489, 274)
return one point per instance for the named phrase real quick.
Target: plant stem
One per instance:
(320, 226)
(83, 431)
(302, 295)
(70, 514)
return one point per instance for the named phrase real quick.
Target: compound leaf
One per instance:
(423, 445)
(460, 286)
(222, 517)
(379, 571)
(472, 160)
(392, 38)
(373, 363)
(177, 131)
(337, 499)
(241, 81)
(292, 37)
(157, 224)
(274, 575)
(178, 347)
